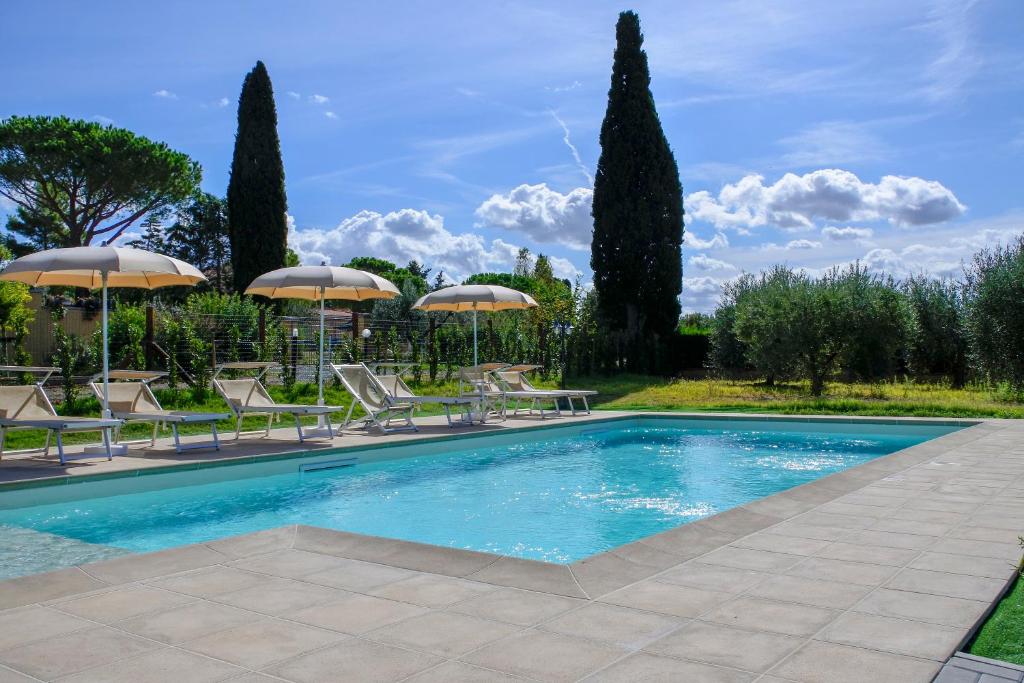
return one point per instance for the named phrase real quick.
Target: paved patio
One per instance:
(875, 573)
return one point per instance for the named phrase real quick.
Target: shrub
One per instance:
(879, 320)
(71, 355)
(938, 342)
(126, 329)
(995, 318)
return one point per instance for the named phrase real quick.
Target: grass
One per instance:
(629, 392)
(1002, 635)
(914, 399)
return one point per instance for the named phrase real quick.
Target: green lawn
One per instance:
(1002, 635)
(635, 392)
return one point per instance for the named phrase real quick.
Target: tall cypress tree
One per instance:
(257, 224)
(636, 251)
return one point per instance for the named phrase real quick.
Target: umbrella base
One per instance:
(317, 433)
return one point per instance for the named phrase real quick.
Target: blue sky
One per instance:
(807, 133)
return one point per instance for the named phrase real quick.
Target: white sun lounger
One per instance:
(514, 378)
(383, 398)
(28, 407)
(248, 396)
(132, 400)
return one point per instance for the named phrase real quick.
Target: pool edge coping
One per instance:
(588, 578)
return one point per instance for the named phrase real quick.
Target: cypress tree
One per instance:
(257, 225)
(636, 250)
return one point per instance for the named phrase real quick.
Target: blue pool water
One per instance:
(556, 495)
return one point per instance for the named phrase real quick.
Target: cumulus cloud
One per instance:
(223, 102)
(847, 234)
(704, 262)
(832, 194)
(719, 241)
(802, 244)
(319, 99)
(330, 115)
(542, 214)
(294, 95)
(700, 293)
(406, 235)
(165, 94)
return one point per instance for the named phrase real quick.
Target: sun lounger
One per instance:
(514, 378)
(28, 407)
(132, 400)
(382, 398)
(248, 396)
(476, 382)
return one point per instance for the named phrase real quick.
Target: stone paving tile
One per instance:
(893, 557)
(429, 590)
(712, 577)
(818, 662)
(122, 603)
(445, 634)
(514, 606)
(935, 609)
(887, 634)
(33, 588)
(768, 615)
(288, 564)
(715, 644)
(255, 543)
(758, 560)
(26, 624)
(987, 533)
(647, 667)
(959, 546)
(621, 626)
(186, 623)
(809, 591)
(654, 596)
(888, 539)
(545, 656)
(464, 673)
(148, 565)
(78, 650)
(533, 575)
(278, 596)
(354, 660)
(167, 665)
(209, 582)
(358, 576)
(909, 526)
(942, 583)
(822, 533)
(355, 613)
(258, 644)
(859, 573)
(992, 568)
(776, 543)
(11, 676)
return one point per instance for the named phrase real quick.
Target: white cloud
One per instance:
(796, 201)
(717, 242)
(802, 244)
(165, 94)
(223, 102)
(563, 88)
(319, 99)
(330, 115)
(704, 262)
(405, 235)
(572, 148)
(542, 214)
(700, 293)
(294, 95)
(846, 234)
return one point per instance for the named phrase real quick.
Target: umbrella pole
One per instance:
(320, 367)
(106, 350)
(475, 361)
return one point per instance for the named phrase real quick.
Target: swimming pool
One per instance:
(555, 494)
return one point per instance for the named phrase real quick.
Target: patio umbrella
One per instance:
(101, 267)
(475, 298)
(318, 283)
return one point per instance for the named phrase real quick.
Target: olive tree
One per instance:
(995, 319)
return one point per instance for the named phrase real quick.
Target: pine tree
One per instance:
(636, 251)
(32, 230)
(152, 238)
(256, 198)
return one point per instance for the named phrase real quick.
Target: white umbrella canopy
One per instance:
(101, 267)
(318, 283)
(475, 298)
(315, 283)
